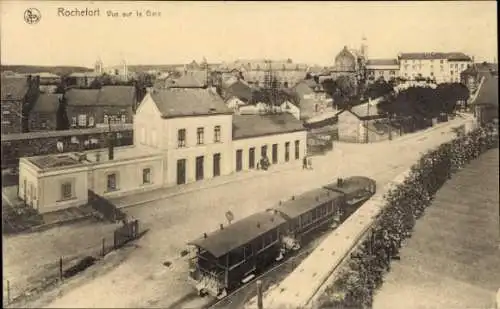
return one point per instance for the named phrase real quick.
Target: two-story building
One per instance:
(87, 108)
(386, 69)
(18, 96)
(312, 98)
(181, 135)
(439, 67)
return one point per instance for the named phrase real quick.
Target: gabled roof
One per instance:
(240, 90)
(382, 62)
(106, 96)
(179, 102)
(488, 93)
(14, 88)
(239, 233)
(117, 96)
(454, 56)
(47, 103)
(366, 111)
(81, 97)
(192, 79)
(246, 126)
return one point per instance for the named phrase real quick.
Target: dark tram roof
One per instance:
(350, 185)
(307, 201)
(239, 233)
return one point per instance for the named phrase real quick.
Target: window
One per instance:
(146, 176)
(124, 118)
(73, 121)
(199, 136)
(451, 72)
(181, 138)
(297, 150)
(217, 134)
(442, 69)
(106, 120)
(82, 120)
(432, 73)
(287, 151)
(66, 191)
(393, 72)
(91, 121)
(111, 185)
(441, 61)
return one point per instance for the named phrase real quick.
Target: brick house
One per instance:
(18, 96)
(45, 113)
(86, 108)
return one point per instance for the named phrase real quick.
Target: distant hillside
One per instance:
(59, 70)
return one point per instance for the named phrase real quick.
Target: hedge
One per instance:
(358, 280)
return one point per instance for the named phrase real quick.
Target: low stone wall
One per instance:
(363, 270)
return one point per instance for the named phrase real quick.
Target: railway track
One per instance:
(242, 294)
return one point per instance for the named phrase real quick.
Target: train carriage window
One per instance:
(236, 256)
(259, 244)
(314, 214)
(248, 251)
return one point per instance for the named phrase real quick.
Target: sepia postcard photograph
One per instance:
(250, 154)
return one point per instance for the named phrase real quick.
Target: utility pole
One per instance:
(259, 295)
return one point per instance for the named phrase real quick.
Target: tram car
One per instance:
(233, 255)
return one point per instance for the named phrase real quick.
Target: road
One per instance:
(452, 259)
(143, 281)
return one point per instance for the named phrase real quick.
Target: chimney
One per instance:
(340, 182)
(222, 226)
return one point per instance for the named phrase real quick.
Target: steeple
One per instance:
(364, 47)
(98, 66)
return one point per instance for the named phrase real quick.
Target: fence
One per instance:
(355, 286)
(126, 233)
(105, 207)
(66, 267)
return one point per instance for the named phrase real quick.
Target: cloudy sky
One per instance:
(311, 32)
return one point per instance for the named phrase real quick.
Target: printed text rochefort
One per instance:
(78, 12)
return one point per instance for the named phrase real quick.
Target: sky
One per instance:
(307, 32)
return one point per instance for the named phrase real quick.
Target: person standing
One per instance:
(304, 163)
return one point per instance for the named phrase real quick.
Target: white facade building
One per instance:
(441, 67)
(180, 136)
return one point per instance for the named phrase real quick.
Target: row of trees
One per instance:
(355, 286)
(424, 102)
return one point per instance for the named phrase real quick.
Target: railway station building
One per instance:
(181, 135)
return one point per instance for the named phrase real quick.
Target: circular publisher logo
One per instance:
(32, 16)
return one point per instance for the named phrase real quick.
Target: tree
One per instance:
(95, 84)
(345, 90)
(379, 89)
(329, 86)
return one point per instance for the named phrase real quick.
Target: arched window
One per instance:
(106, 120)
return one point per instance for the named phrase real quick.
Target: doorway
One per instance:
(239, 160)
(216, 164)
(181, 171)
(275, 153)
(251, 158)
(199, 167)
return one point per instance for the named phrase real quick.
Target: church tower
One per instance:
(98, 66)
(124, 70)
(364, 47)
